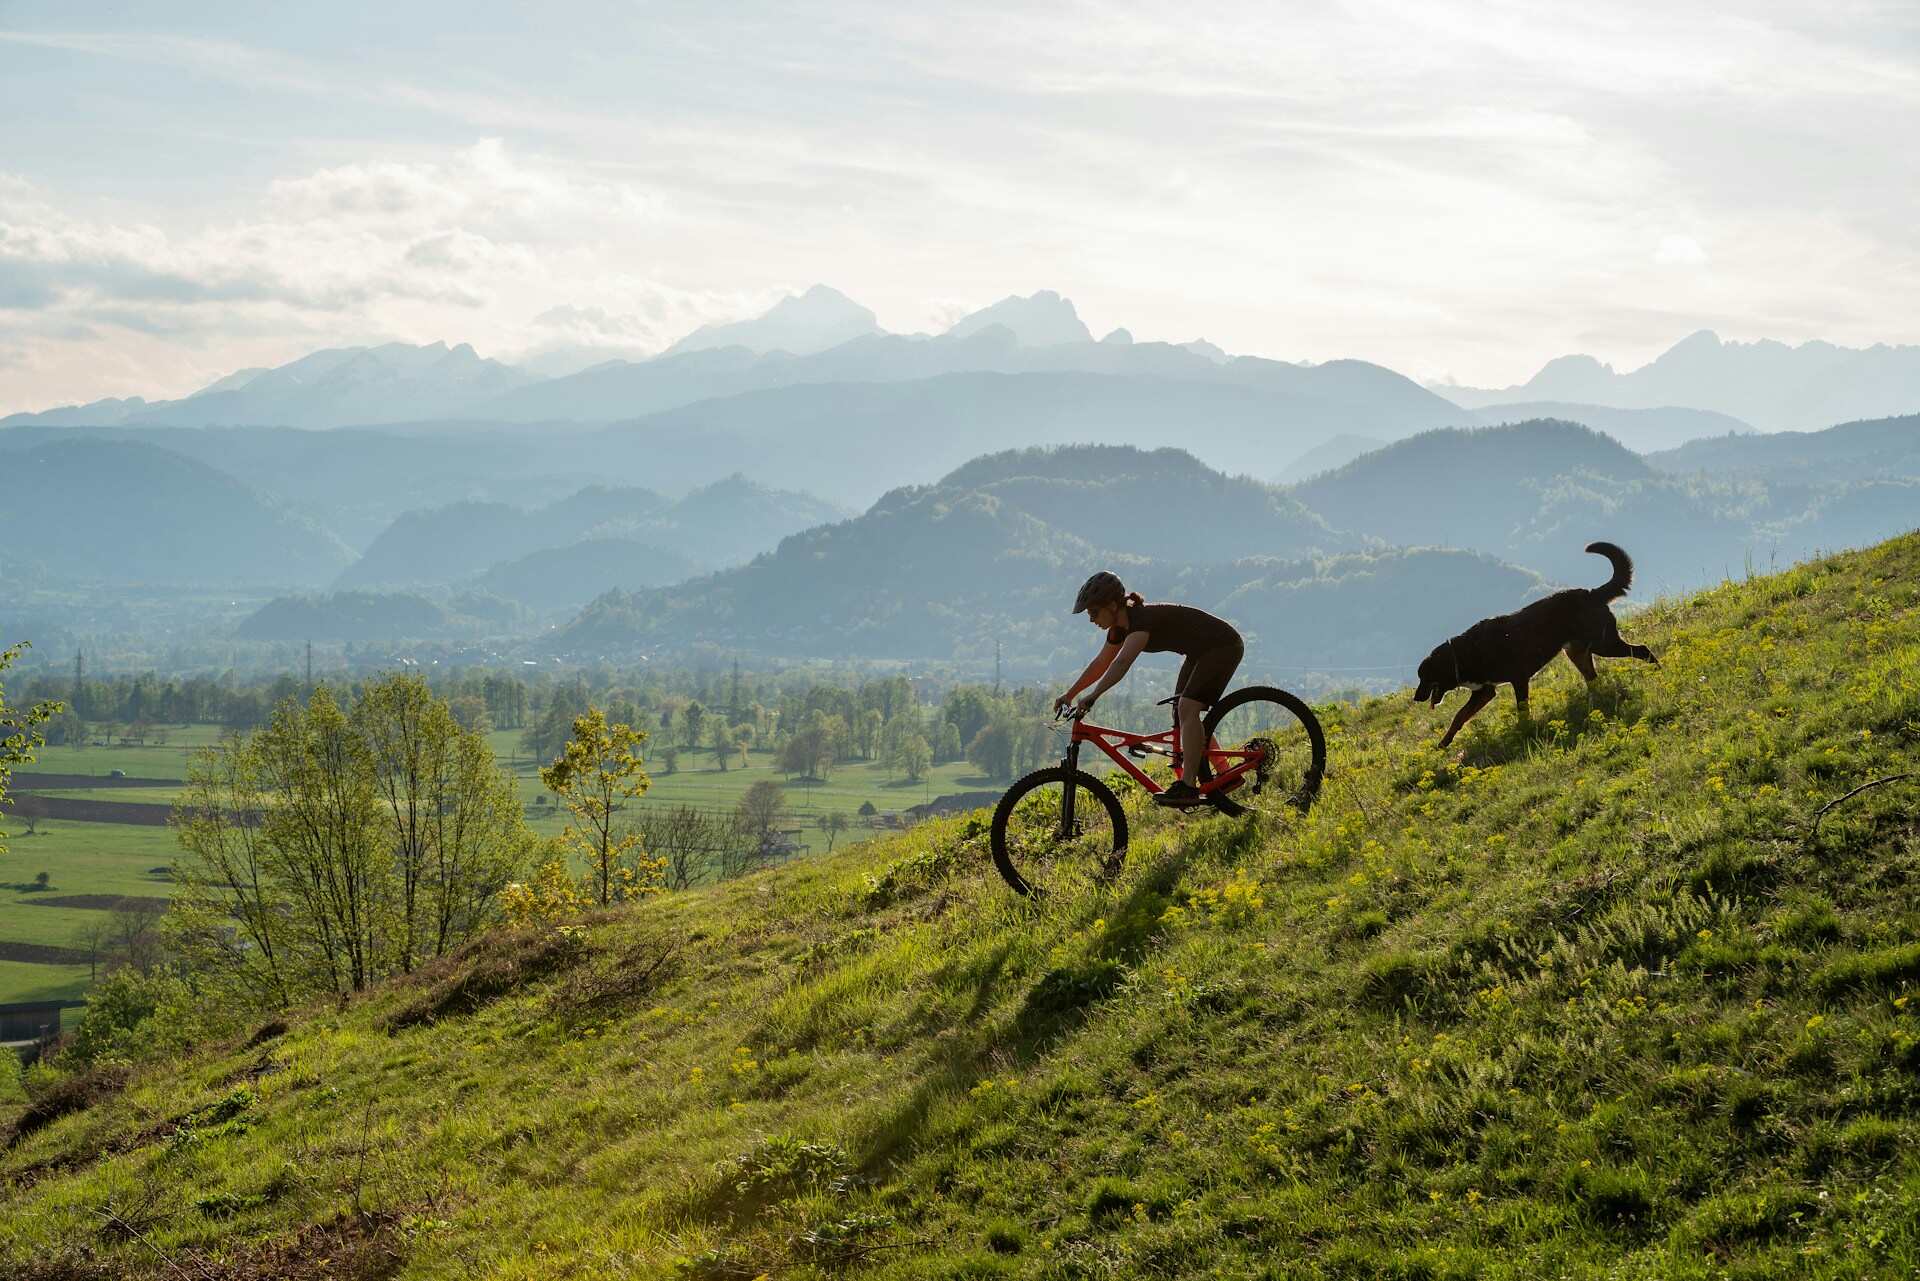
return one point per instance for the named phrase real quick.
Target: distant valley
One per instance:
(803, 483)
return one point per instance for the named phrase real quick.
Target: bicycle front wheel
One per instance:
(1288, 746)
(1058, 825)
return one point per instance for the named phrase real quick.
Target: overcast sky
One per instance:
(1449, 189)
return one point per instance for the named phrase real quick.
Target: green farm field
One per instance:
(79, 858)
(22, 982)
(151, 760)
(707, 788)
(115, 859)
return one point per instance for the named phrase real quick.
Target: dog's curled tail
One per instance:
(1622, 579)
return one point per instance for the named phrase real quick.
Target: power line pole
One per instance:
(996, 667)
(309, 666)
(79, 684)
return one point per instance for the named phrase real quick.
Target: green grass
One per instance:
(148, 761)
(119, 795)
(23, 982)
(1588, 1002)
(80, 858)
(84, 858)
(704, 787)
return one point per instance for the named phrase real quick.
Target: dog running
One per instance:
(1512, 648)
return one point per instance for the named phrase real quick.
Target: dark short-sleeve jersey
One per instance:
(1179, 629)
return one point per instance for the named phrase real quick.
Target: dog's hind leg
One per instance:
(1580, 658)
(1617, 648)
(1610, 645)
(1475, 701)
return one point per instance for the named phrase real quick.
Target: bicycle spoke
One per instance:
(1036, 844)
(1286, 741)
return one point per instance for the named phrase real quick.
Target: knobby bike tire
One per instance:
(1313, 774)
(1089, 791)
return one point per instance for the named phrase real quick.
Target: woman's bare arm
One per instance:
(1116, 670)
(1095, 669)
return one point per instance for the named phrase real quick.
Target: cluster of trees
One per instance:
(342, 844)
(140, 707)
(358, 836)
(696, 845)
(715, 718)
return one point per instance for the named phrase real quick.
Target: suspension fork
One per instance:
(1072, 764)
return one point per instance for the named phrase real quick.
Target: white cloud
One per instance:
(1682, 251)
(387, 248)
(1434, 184)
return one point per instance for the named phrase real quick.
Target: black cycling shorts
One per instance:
(1204, 676)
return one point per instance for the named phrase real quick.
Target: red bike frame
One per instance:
(1229, 766)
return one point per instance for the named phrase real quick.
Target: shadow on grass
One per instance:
(1556, 722)
(1054, 1005)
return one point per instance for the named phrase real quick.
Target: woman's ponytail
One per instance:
(1135, 600)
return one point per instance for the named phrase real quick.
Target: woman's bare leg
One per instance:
(1193, 741)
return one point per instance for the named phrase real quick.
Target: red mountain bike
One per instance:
(1265, 751)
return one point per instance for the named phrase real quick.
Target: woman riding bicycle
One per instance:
(1210, 645)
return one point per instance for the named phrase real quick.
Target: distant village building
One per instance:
(24, 1024)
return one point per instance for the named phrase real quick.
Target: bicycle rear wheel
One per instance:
(1032, 839)
(1293, 749)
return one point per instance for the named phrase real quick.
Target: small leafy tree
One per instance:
(19, 730)
(597, 773)
(550, 897)
(833, 822)
(761, 812)
(992, 750)
(914, 757)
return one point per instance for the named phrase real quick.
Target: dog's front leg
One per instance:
(1475, 701)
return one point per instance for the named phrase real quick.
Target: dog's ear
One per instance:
(1429, 687)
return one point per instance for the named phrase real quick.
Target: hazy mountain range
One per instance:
(1332, 567)
(340, 387)
(123, 512)
(1769, 384)
(719, 525)
(1701, 386)
(706, 486)
(993, 552)
(100, 523)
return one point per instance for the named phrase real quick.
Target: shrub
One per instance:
(486, 969)
(551, 897)
(64, 1095)
(133, 1017)
(12, 1089)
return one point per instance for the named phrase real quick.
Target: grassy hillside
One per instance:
(1599, 997)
